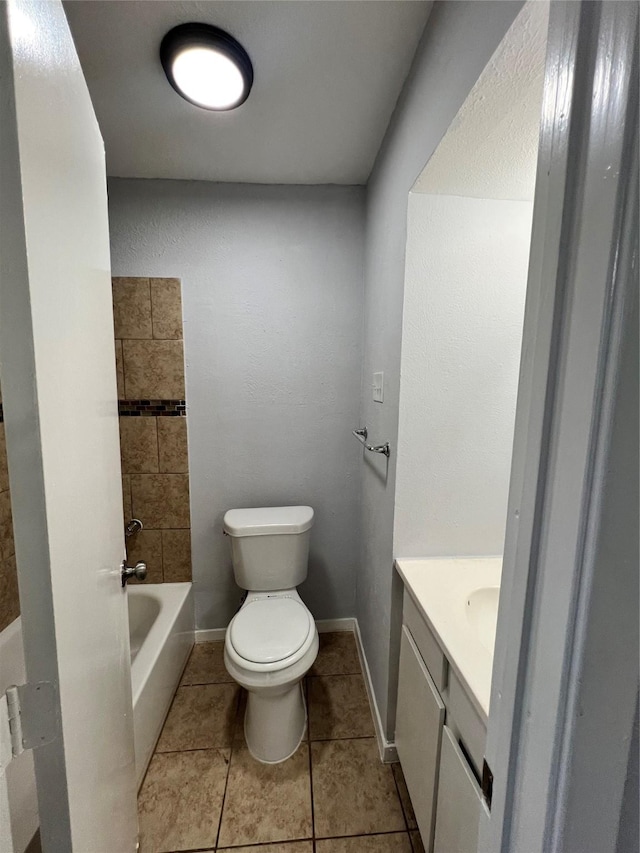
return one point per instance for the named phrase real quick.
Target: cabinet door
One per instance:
(419, 720)
(459, 801)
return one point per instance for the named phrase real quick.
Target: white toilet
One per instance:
(272, 640)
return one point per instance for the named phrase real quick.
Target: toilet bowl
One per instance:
(269, 647)
(272, 641)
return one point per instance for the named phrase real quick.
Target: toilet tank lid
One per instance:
(268, 520)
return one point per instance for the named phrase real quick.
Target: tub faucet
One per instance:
(134, 526)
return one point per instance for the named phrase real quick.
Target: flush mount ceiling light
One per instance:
(207, 66)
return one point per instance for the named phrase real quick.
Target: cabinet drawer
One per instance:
(465, 722)
(419, 719)
(459, 801)
(425, 641)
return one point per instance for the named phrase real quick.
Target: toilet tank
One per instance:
(269, 546)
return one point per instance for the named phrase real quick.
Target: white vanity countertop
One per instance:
(441, 589)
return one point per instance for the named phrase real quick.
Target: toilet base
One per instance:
(275, 721)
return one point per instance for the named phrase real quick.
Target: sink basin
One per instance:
(458, 599)
(482, 613)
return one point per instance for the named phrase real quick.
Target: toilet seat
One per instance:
(270, 629)
(270, 632)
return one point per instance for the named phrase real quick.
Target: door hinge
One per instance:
(29, 718)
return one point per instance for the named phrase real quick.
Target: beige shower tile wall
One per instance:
(153, 427)
(9, 601)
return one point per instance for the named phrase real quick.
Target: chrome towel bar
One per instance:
(361, 435)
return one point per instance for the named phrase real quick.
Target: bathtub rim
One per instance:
(158, 667)
(160, 631)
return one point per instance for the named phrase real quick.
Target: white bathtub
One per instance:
(161, 631)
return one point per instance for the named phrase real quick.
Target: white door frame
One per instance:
(565, 675)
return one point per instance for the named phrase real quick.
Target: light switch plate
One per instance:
(378, 387)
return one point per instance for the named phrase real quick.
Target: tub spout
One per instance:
(134, 526)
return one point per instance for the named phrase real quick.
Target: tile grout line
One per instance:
(335, 675)
(313, 811)
(339, 739)
(365, 834)
(410, 829)
(180, 687)
(130, 498)
(124, 380)
(226, 781)
(150, 309)
(404, 814)
(257, 845)
(191, 749)
(293, 841)
(158, 444)
(161, 533)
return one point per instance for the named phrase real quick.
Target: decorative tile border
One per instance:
(152, 408)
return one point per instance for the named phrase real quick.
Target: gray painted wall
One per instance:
(457, 44)
(272, 281)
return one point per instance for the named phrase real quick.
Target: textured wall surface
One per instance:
(465, 285)
(501, 114)
(272, 299)
(458, 43)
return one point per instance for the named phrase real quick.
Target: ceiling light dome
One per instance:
(207, 66)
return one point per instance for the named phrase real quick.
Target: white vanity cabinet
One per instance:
(459, 801)
(419, 721)
(440, 738)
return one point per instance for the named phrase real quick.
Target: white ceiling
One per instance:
(491, 147)
(327, 77)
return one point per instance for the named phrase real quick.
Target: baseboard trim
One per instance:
(324, 626)
(209, 635)
(386, 748)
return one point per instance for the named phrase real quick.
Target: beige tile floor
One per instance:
(204, 792)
